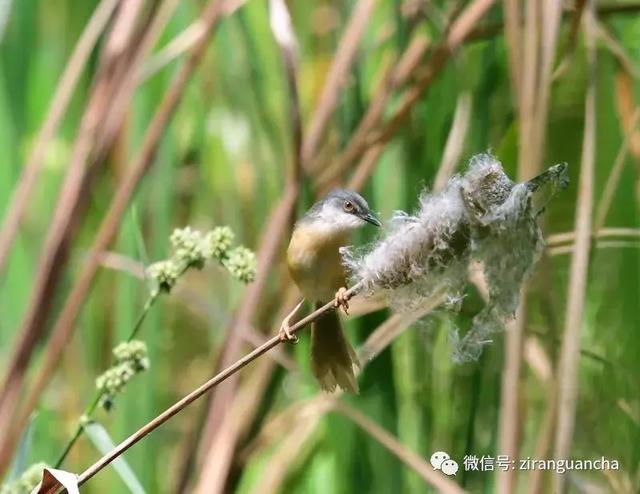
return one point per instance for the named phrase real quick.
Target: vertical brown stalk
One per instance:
(394, 77)
(59, 102)
(576, 289)
(455, 141)
(514, 45)
(362, 143)
(549, 24)
(236, 422)
(299, 420)
(56, 247)
(527, 157)
(509, 425)
(538, 52)
(201, 390)
(219, 442)
(613, 180)
(278, 224)
(65, 323)
(337, 77)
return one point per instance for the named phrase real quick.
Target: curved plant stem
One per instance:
(79, 428)
(203, 389)
(98, 394)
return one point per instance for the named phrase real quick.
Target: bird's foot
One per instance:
(342, 300)
(285, 333)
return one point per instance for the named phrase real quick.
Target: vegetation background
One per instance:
(393, 97)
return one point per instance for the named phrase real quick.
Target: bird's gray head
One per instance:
(341, 211)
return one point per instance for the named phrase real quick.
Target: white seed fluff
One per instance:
(480, 215)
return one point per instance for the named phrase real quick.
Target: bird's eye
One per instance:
(348, 206)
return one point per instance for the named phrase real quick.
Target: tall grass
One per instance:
(562, 381)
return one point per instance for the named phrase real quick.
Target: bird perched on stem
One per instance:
(315, 264)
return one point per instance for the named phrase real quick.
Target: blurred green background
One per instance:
(224, 161)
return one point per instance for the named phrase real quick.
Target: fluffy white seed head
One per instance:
(480, 215)
(420, 252)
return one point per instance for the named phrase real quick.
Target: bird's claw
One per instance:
(342, 300)
(285, 333)
(286, 336)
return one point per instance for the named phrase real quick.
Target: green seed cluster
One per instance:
(29, 479)
(189, 246)
(242, 264)
(218, 242)
(130, 359)
(192, 249)
(164, 274)
(133, 352)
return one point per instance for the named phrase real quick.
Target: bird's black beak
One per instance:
(370, 218)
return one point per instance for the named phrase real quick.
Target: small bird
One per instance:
(315, 265)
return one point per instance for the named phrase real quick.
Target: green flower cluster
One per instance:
(29, 479)
(130, 359)
(242, 264)
(164, 274)
(132, 352)
(192, 249)
(218, 242)
(189, 247)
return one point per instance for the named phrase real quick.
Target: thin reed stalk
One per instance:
(577, 285)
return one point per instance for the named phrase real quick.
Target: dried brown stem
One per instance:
(182, 43)
(274, 232)
(541, 25)
(365, 167)
(392, 78)
(618, 51)
(59, 103)
(337, 77)
(56, 242)
(65, 323)
(72, 201)
(545, 438)
(455, 141)
(561, 238)
(241, 413)
(599, 244)
(412, 460)
(459, 31)
(293, 449)
(512, 32)
(119, 102)
(300, 419)
(613, 179)
(550, 22)
(203, 389)
(365, 138)
(576, 290)
(219, 442)
(528, 162)
(492, 29)
(509, 426)
(179, 45)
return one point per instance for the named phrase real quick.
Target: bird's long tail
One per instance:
(333, 359)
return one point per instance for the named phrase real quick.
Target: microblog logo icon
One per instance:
(441, 460)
